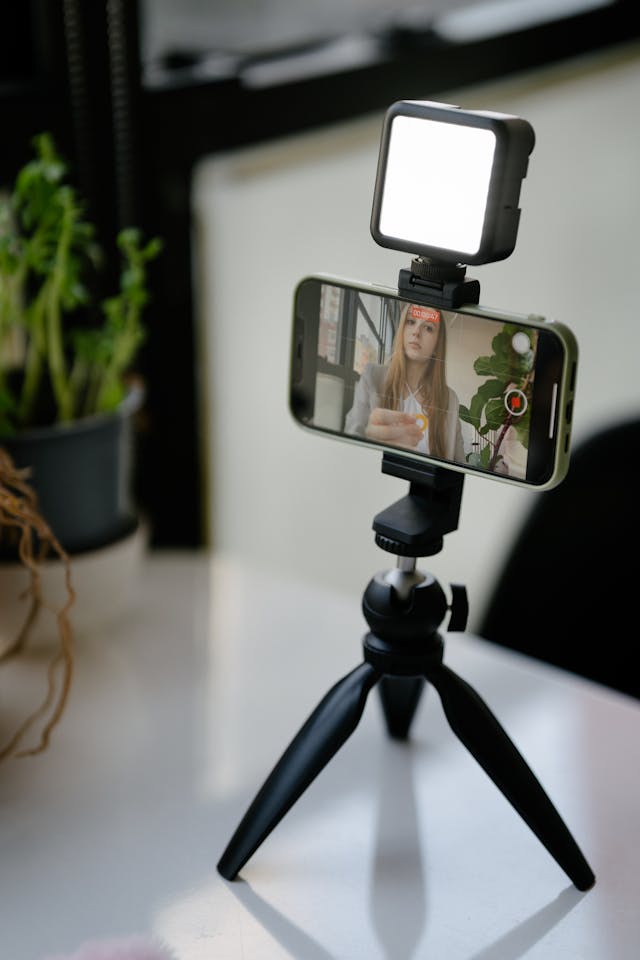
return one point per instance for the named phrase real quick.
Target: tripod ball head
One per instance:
(404, 607)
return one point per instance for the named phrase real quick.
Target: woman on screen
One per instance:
(407, 402)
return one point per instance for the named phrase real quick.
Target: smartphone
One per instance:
(473, 389)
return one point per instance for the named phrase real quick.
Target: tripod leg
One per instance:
(400, 697)
(329, 726)
(477, 728)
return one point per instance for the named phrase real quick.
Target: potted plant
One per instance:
(63, 357)
(67, 394)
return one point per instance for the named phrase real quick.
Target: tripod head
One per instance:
(404, 605)
(415, 525)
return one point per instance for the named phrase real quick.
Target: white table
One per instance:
(395, 851)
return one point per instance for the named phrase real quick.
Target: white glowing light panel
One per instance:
(436, 183)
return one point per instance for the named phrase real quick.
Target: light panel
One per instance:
(448, 181)
(437, 183)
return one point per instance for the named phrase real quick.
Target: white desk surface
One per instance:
(396, 851)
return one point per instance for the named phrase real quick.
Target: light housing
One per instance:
(448, 182)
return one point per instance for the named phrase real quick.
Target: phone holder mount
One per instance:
(403, 649)
(439, 283)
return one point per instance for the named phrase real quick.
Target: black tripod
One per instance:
(404, 609)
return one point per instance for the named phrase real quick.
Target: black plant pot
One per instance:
(82, 473)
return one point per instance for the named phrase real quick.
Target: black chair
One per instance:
(568, 593)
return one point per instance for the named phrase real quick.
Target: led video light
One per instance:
(448, 182)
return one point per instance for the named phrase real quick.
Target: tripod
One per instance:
(404, 608)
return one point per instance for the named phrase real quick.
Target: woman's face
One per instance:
(421, 331)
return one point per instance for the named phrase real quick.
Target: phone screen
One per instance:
(479, 392)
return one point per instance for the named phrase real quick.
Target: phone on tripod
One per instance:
(473, 389)
(405, 370)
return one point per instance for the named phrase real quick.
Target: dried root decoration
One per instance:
(22, 524)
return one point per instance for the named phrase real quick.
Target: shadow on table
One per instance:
(398, 896)
(517, 942)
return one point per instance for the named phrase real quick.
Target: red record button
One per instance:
(515, 402)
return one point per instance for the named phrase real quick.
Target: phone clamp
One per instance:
(438, 283)
(403, 649)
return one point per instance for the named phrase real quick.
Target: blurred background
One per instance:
(246, 135)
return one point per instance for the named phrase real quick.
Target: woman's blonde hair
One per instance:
(432, 392)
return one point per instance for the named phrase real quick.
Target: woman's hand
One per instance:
(393, 426)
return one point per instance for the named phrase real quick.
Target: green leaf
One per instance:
(465, 414)
(112, 396)
(496, 413)
(484, 366)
